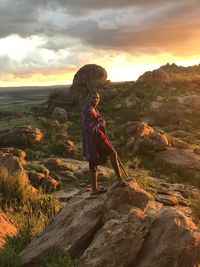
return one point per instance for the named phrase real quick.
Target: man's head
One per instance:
(94, 98)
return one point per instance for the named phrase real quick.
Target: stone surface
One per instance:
(183, 158)
(123, 227)
(70, 169)
(66, 194)
(23, 135)
(59, 114)
(173, 240)
(14, 167)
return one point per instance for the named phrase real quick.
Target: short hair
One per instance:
(93, 92)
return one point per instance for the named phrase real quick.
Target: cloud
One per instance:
(59, 34)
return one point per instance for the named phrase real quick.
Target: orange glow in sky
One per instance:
(46, 42)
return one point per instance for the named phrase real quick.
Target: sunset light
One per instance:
(127, 39)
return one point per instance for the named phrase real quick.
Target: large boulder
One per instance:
(139, 137)
(59, 114)
(123, 227)
(23, 135)
(68, 169)
(185, 159)
(89, 77)
(7, 229)
(13, 166)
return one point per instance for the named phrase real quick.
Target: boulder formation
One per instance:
(186, 159)
(14, 167)
(59, 114)
(141, 136)
(123, 227)
(87, 78)
(23, 135)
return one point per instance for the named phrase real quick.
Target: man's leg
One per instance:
(94, 180)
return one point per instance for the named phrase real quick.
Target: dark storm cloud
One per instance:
(152, 25)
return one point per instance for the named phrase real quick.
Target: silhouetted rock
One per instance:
(89, 77)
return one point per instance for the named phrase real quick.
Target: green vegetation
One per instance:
(56, 259)
(31, 211)
(135, 171)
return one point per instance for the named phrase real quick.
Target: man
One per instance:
(96, 145)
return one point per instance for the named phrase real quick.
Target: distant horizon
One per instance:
(67, 84)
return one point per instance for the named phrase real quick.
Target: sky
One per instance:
(45, 42)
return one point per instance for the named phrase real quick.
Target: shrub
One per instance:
(53, 129)
(56, 259)
(30, 210)
(140, 175)
(31, 166)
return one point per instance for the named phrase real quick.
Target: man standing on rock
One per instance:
(96, 145)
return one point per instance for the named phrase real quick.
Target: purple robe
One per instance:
(93, 127)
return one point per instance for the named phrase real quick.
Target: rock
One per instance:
(173, 240)
(155, 105)
(49, 184)
(191, 101)
(35, 178)
(71, 169)
(119, 240)
(123, 227)
(166, 112)
(20, 154)
(175, 142)
(23, 135)
(196, 150)
(184, 158)
(7, 229)
(13, 165)
(107, 94)
(130, 144)
(59, 114)
(169, 200)
(117, 106)
(57, 97)
(83, 218)
(66, 194)
(155, 141)
(143, 129)
(88, 78)
(155, 77)
(179, 134)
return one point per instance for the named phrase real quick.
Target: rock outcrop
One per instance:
(141, 136)
(185, 159)
(23, 135)
(123, 227)
(89, 77)
(13, 166)
(67, 169)
(59, 114)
